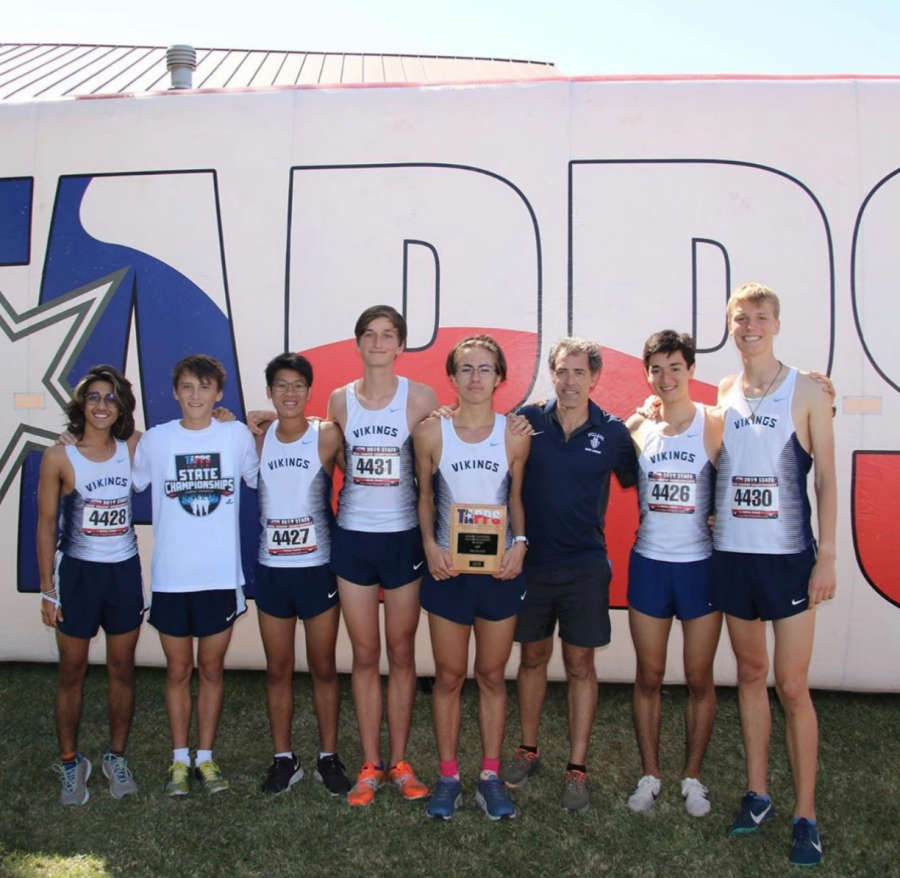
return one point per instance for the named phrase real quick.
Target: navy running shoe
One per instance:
(806, 848)
(755, 810)
(494, 799)
(445, 798)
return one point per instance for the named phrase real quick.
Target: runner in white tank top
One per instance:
(379, 492)
(293, 579)
(669, 568)
(761, 497)
(470, 472)
(95, 519)
(471, 459)
(764, 564)
(377, 542)
(675, 487)
(294, 499)
(94, 580)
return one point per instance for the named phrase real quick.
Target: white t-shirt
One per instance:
(195, 476)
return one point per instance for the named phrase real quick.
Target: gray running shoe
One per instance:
(117, 772)
(524, 765)
(74, 777)
(575, 795)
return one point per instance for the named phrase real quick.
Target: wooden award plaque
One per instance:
(477, 537)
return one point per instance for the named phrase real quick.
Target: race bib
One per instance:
(106, 518)
(376, 466)
(290, 536)
(672, 492)
(754, 497)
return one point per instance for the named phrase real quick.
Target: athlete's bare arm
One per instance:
(337, 407)
(820, 439)
(132, 443)
(259, 435)
(331, 446)
(712, 433)
(635, 425)
(428, 443)
(421, 403)
(517, 449)
(56, 478)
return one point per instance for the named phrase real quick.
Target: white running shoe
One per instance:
(643, 798)
(694, 794)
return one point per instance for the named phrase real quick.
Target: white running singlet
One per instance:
(470, 473)
(762, 504)
(95, 519)
(294, 502)
(379, 491)
(195, 476)
(675, 487)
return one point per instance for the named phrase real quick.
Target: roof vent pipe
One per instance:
(181, 62)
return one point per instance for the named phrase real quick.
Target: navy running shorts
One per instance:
(576, 597)
(464, 598)
(768, 587)
(96, 594)
(301, 592)
(194, 613)
(668, 588)
(386, 559)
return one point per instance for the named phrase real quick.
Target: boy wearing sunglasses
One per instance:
(91, 576)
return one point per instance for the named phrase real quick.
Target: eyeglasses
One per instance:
(469, 371)
(93, 397)
(284, 386)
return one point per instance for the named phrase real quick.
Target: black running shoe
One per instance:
(283, 773)
(330, 770)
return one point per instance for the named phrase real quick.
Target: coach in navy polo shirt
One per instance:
(575, 447)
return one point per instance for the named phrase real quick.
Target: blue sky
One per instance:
(583, 37)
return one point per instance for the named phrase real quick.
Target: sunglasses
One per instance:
(94, 396)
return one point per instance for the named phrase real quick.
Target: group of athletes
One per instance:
(405, 465)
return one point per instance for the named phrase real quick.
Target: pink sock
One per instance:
(450, 768)
(490, 765)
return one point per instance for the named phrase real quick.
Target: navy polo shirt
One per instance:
(566, 485)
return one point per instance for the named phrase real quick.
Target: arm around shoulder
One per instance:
(422, 401)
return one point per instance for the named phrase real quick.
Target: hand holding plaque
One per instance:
(477, 537)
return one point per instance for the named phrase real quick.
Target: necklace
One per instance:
(753, 410)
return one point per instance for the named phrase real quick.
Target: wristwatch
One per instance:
(521, 539)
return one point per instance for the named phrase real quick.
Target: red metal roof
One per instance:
(48, 71)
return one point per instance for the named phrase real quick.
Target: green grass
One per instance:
(306, 833)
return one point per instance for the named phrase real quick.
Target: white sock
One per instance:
(182, 755)
(203, 756)
(325, 755)
(287, 755)
(487, 775)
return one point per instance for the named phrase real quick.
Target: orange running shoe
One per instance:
(363, 792)
(404, 778)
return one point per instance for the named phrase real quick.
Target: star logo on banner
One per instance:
(40, 346)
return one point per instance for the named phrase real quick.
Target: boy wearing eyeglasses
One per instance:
(195, 465)
(294, 580)
(464, 461)
(91, 576)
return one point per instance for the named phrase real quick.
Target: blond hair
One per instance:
(756, 294)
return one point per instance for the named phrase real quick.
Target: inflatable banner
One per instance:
(136, 230)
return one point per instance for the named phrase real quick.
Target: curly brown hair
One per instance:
(124, 424)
